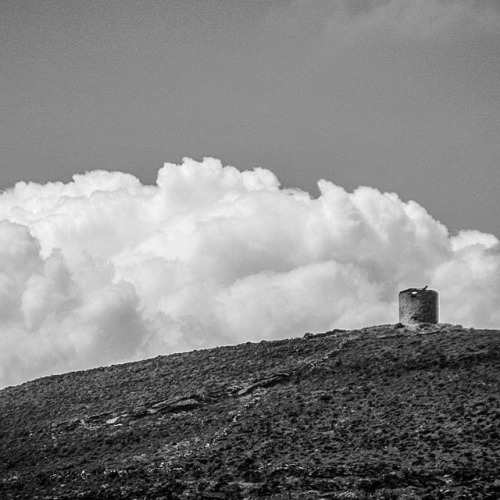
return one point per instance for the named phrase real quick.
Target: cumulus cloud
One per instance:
(104, 269)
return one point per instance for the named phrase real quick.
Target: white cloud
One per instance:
(353, 20)
(104, 269)
(432, 19)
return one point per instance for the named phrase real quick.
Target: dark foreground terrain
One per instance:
(384, 412)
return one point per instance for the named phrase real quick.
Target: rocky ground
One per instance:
(386, 412)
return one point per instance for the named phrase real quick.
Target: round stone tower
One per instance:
(418, 305)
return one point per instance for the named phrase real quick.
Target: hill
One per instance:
(386, 412)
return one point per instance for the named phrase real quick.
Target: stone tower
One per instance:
(418, 305)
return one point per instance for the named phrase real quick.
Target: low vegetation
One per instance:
(385, 412)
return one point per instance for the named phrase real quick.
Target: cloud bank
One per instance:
(104, 269)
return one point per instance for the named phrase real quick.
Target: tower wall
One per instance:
(418, 305)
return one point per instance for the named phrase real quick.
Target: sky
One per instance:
(183, 174)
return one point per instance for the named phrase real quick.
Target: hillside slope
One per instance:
(383, 412)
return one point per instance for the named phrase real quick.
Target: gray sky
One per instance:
(400, 95)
